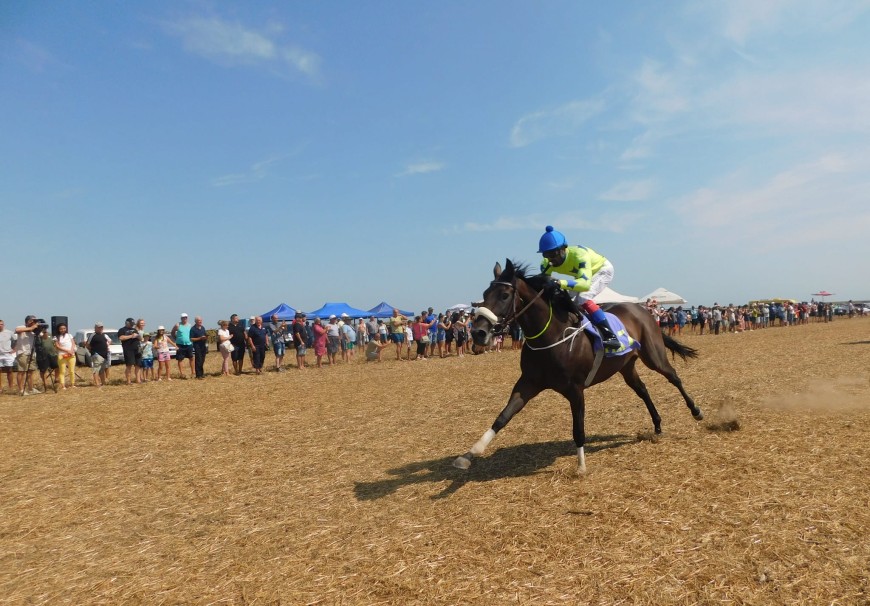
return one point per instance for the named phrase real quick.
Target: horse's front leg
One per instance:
(523, 392)
(578, 421)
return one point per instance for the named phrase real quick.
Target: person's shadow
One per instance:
(508, 462)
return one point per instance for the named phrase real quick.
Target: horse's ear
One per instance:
(496, 271)
(508, 266)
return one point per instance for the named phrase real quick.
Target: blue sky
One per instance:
(213, 158)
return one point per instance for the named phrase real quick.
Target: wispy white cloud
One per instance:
(560, 121)
(257, 172)
(808, 203)
(231, 43)
(629, 191)
(616, 222)
(741, 20)
(420, 168)
(32, 56)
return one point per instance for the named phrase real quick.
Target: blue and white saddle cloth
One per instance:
(627, 343)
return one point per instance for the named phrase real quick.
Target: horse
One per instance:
(560, 356)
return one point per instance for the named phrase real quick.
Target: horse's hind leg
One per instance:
(632, 379)
(659, 363)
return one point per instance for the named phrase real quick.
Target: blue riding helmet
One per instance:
(551, 240)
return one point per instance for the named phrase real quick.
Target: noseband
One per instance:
(498, 325)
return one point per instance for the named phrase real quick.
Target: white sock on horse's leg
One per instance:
(581, 460)
(482, 443)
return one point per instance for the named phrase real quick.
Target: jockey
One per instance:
(590, 273)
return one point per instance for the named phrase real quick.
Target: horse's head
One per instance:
(498, 305)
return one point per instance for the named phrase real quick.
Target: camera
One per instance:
(41, 324)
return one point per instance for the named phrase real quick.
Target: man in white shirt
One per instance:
(25, 358)
(7, 356)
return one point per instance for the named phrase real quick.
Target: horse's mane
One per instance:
(540, 281)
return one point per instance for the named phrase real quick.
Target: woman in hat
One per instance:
(161, 343)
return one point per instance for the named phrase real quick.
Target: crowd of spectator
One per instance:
(721, 319)
(147, 356)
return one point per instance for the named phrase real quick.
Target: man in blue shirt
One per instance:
(184, 346)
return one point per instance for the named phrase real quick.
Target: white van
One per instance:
(83, 356)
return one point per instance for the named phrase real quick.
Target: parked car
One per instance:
(83, 356)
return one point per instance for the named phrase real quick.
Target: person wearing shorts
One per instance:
(146, 359)
(98, 345)
(184, 346)
(161, 344)
(7, 356)
(239, 341)
(397, 331)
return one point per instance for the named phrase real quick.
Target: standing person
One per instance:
(277, 331)
(184, 346)
(7, 356)
(161, 343)
(590, 274)
(319, 341)
(225, 346)
(460, 333)
(299, 339)
(146, 359)
(333, 339)
(98, 345)
(449, 333)
(420, 334)
(66, 356)
(362, 333)
(199, 338)
(372, 328)
(441, 335)
(25, 361)
(348, 340)
(257, 337)
(141, 371)
(397, 331)
(239, 340)
(382, 331)
(432, 326)
(129, 337)
(409, 340)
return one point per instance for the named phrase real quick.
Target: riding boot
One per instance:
(608, 337)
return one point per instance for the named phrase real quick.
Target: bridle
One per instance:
(499, 324)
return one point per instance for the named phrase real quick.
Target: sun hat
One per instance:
(331, 316)
(98, 324)
(161, 328)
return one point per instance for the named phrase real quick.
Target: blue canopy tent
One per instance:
(337, 309)
(384, 310)
(283, 311)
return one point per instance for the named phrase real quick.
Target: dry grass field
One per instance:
(335, 486)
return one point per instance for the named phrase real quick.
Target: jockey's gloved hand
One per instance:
(552, 286)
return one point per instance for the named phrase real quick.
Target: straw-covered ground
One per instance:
(335, 486)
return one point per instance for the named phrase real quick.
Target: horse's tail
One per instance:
(684, 351)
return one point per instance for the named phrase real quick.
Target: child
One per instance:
(162, 343)
(147, 362)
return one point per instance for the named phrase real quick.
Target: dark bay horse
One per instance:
(559, 357)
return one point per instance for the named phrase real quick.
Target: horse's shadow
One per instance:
(508, 462)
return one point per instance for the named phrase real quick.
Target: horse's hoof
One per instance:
(658, 431)
(462, 463)
(699, 416)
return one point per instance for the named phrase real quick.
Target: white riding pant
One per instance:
(599, 283)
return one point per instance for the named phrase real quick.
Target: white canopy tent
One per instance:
(608, 295)
(665, 297)
(460, 307)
